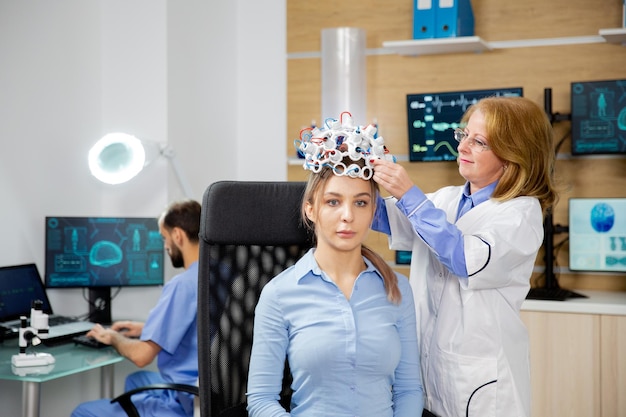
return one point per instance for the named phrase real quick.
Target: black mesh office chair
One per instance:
(126, 401)
(249, 233)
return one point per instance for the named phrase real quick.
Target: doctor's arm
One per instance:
(140, 352)
(429, 222)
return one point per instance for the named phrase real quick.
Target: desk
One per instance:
(70, 359)
(598, 302)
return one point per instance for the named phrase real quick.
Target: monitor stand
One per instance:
(551, 289)
(100, 305)
(552, 294)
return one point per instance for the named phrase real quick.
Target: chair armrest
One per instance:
(126, 403)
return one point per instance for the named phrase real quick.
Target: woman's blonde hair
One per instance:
(520, 134)
(313, 192)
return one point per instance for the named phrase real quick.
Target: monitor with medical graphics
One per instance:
(99, 253)
(432, 118)
(103, 252)
(598, 117)
(597, 234)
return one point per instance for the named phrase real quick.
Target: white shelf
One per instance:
(617, 35)
(531, 43)
(437, 46)
(434, 46)
(415, 47)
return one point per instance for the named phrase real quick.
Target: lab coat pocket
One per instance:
(468, 385)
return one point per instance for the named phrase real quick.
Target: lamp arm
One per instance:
(170, 154)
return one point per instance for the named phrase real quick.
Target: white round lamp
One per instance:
(116, 158)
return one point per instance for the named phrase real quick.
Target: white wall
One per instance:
(206, 77)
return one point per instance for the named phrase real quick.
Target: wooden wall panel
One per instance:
(391, 77)
(495, 20)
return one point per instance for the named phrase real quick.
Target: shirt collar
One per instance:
(481, 195)
(308, 265)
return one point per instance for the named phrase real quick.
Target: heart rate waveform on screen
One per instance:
(432, 118)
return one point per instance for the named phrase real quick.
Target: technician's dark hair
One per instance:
(185, 215)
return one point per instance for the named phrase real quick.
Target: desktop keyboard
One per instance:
(554, 294)
(6, 333)
(58, 320)
(88, 341)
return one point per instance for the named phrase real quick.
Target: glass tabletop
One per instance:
(69, 359)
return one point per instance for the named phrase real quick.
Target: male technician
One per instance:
(169, 334)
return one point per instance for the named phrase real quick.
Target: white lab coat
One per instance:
(470, 330)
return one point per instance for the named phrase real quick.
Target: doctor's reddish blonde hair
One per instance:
(313, 193)
(520, 134)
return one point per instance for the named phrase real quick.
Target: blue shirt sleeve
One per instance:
(431, 224)
(264, 388)
(380, 223)
(407, 401)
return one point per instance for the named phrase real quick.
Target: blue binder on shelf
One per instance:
(423, 19)
(454, 18)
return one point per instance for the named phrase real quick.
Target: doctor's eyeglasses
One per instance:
(475, 144)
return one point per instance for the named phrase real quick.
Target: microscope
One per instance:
(32, 335)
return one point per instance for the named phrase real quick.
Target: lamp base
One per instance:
(32, 359)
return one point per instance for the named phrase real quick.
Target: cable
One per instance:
(560, 142)
(95, 308)
(557, 248)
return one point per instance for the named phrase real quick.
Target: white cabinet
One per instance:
(578, 355)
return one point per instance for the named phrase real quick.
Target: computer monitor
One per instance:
(597, 234)
(598, 117)
(102, 252)
(432, 117)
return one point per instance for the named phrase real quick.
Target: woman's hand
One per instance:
(392, 177)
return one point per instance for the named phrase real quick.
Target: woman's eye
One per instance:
(479, 142)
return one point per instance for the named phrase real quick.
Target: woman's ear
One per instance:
(308, 211)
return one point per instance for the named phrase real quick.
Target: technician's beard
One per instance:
(176, 257)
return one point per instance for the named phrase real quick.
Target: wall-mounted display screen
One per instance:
(598, 117)
(432, 118)
(597, 234)
(103, 252)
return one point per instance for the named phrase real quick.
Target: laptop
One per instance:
(20, 285)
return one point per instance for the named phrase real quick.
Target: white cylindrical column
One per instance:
(344, 73)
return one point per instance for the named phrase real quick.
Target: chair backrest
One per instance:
(249, 233)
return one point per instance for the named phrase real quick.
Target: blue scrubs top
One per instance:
(171, 324)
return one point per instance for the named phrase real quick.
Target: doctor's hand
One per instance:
(128, 328)
(392, 177)
(102, 334)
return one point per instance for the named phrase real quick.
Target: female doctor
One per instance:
(473, 251)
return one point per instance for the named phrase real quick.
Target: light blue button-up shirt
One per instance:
(356, 357)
